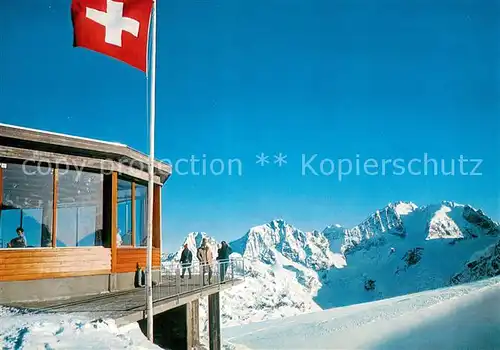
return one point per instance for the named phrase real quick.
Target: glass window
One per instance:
(141, 218)
(27, 204)
(79, 209)
(124, 235)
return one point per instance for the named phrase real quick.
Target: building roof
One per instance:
(17, 137)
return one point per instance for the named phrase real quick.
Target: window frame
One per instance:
(77, 213)
(109, 199)
(4, 162)
(133, 182)
(130, 181)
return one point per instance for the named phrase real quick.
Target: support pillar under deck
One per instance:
(193, 324)
(214, 321)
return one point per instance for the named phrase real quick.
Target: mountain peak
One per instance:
(193, 241)
(276, 223)
(403, 208)
(194, 238)
(277, 236)
(451, 204)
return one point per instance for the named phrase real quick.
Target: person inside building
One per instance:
(186, 259)
(19, 241)
(119, 240)
(204, 255)
(223, 259)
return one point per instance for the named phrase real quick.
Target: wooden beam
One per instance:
(55, 190)
(156, 216)
(161, 225)
(43, 140)
(1, 187)
(114, 219)
(214, 321)
(1, 201)
(62, 160)
(134, 210)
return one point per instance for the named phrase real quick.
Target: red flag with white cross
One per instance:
(117, 28)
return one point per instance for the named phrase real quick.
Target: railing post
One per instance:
(232, 270)
(177, 280)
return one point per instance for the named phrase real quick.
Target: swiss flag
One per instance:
(117, 28)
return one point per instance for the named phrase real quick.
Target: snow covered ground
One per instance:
(460, 317)
(269, 292)
(21, 330)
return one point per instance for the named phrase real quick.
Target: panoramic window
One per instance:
(79, 209)
(141, 207)
(26, 211)
(124, 208)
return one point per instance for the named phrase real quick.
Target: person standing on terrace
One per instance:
(186, 259)
(223, 259)
(204, 255)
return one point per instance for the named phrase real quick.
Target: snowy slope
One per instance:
(275, 286)
(483, 264)
(21, 330)
(461, 317)
(268, 292)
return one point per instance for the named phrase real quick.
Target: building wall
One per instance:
(58, 271)
(128, 258)
(52, 289)
(52, 273)
(32, 263)
(62, 288)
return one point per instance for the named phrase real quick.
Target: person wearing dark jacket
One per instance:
(19, 241)
(223, 259)
(186, 259)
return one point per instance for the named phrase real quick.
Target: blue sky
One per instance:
(378, 79)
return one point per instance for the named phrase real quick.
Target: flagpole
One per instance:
(149, 275)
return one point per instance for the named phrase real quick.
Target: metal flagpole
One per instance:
(149, 282)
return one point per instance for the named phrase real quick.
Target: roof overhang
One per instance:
(37, 145)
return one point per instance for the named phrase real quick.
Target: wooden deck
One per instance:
(129, 306)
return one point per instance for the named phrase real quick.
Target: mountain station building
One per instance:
(73, 215)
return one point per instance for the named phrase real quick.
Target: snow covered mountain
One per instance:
(310, 249)
(371, 231)
(403, 249)
(275, 285)
(445, 220)
(399, 249)
(193, 240)
(482, 265)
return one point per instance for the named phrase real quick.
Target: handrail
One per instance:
(175, 275)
